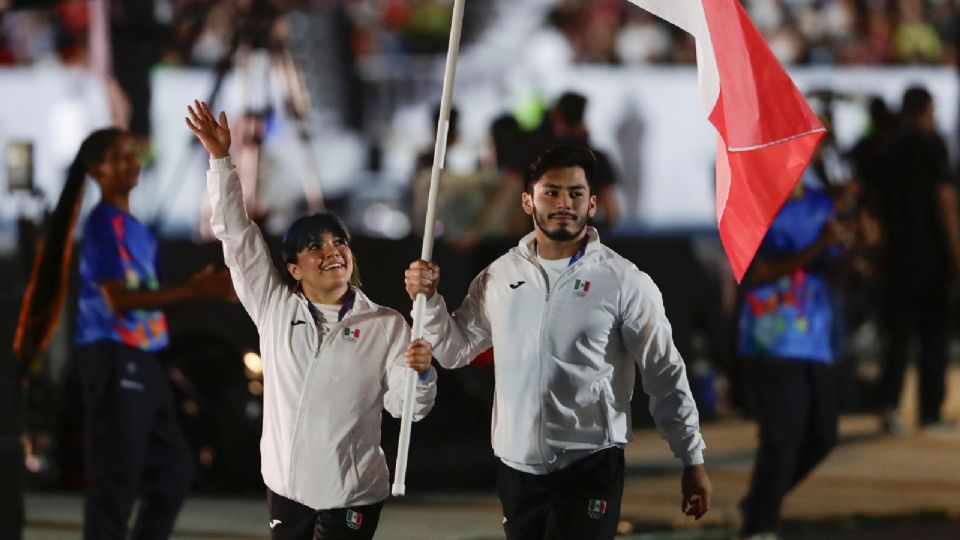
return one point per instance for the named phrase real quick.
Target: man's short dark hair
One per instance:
(562, 157)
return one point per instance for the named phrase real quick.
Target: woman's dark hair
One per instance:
(562, 157)
(40, 311)
(308, 230)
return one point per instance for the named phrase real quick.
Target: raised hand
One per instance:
(214, 135)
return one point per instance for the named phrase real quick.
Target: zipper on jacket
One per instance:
(299, 418)
(543, 339)
(543, 322)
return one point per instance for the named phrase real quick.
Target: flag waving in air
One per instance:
(767, 130)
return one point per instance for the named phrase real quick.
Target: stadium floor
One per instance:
(873, 486)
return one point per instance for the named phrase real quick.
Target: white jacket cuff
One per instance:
(693, 458)
(434, 305)
(427, 378)
(221, 164)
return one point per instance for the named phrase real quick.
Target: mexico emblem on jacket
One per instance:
(581, 287)
(351, 334)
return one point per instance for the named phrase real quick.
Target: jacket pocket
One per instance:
(354, 460)
(604, 392)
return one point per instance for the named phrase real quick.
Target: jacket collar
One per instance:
(354, 302)
(528, 245)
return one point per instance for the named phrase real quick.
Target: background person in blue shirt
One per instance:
(785, 327)
(133, 445)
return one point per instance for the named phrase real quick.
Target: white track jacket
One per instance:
(564, 355)
(323, 395)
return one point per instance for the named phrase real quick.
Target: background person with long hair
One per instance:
(133, 446)
(332, 360)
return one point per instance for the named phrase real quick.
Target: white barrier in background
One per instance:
(648, 119)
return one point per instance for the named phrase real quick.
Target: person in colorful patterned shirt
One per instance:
(785, 327)
(133, 446)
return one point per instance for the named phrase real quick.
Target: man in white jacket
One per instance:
(567, 317)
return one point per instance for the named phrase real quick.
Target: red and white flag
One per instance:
(767, 130)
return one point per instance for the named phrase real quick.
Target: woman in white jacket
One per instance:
(332, 360)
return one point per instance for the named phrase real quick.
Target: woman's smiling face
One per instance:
(324, 266)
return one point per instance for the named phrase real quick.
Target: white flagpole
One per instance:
(420, 305)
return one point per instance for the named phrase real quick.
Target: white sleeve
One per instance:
(245, 252)
(459, 337)
(648, 339)
(398, 334)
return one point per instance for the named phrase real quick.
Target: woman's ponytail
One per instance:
(47, 289)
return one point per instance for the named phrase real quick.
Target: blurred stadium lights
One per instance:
(380, 219)
(254, 365)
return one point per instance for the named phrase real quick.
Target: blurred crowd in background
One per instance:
(200, 32)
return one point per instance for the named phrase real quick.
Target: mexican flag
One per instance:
(767, 130)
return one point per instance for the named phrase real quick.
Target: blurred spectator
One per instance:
(29, 36)
(136, 36)
(785, 338)
(427, 30)
(599, 26)
(868, 160)
(565, 124)
(642, 40)
(590, 31)
(798, 31)
(915, 39)
(464, 185)
(214, 40)
(917, 208)
(874, 37)
(500, 215)
(868, 153)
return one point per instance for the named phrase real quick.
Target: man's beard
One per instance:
(560, 234)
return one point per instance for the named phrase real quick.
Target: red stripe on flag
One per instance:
(760, 181)
(763, 105)
(767, 130)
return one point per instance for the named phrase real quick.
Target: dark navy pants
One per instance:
(134, 449)
(579, 502)
(290, 520)
(796, 408)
